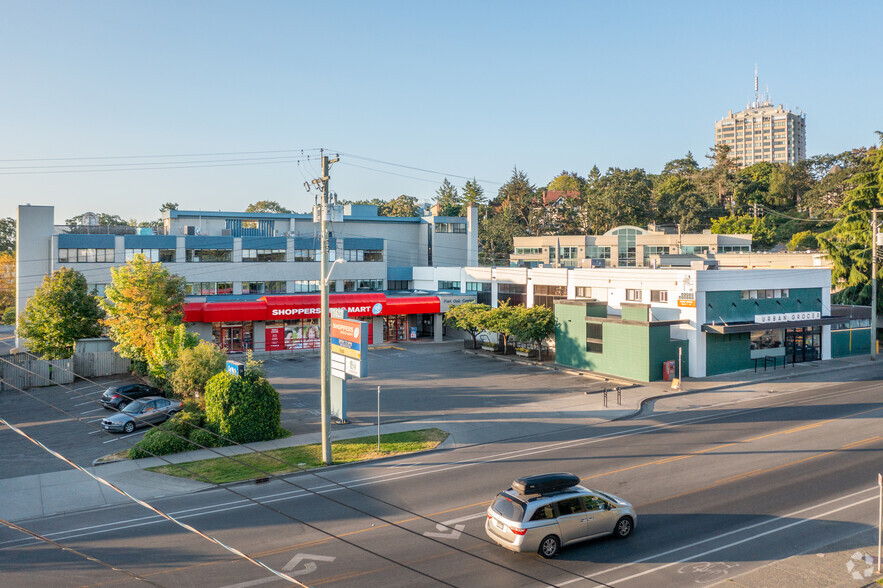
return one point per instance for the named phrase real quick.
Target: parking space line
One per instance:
(93, 410)
(85, 403)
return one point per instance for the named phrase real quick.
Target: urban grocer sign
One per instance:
(784, 317)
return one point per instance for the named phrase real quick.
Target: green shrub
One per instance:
(8, 316)
(160, 441)
(207, 439)
(172, 436)
(196, 366)
(803, 240)
(243, 409)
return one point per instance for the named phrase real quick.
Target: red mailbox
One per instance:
(668, 370)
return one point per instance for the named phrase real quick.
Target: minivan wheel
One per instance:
(623, 528)
(549, 546)
(128, 427)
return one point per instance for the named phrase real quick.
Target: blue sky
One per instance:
(465, 89)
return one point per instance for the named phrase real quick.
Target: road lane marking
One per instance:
(432, 469)
(745, 540)
(735, 531)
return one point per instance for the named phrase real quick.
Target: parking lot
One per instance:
(417, 381)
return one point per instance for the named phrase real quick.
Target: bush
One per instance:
(177, 434)
(160, 441)
(195, 367)
(8, 316)
(243, 409)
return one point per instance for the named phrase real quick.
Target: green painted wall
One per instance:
(850, 342)
(729, 306)
(727, 353)
(629, 351)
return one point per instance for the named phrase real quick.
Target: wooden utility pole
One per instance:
(325, 321)
(874, 284)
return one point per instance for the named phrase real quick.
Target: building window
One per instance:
(90, 255)
(583, 292)
(274, 287)
(626, 239)
(208, 288)
(450, 228)
(658, 295)
(632, 295)
(306, 255)
(307, 286)
(594, 337)
(448, 285)
(209, 255)
(162, 255)
(363, 254)
(761, 294)
(515, 293)
(398, 285)
(693, 249)
(478, 286)
(362, 285)
(263, 255)
(734, 248)
(547, 295)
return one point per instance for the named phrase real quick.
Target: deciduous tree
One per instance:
(7, 235)
(195, 367)
(61, 311)
(468, 317)
(535, 324)
(266, 206)
(7, 280)
(143, 302)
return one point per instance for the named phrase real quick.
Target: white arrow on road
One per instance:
(309, 566)
(446, 532)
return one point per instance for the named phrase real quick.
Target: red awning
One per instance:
(270, 308)
(412, 305)
(231, 312)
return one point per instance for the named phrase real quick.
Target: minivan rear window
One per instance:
(508, 507)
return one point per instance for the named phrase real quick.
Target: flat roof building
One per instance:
(763, 132)
(624, 246)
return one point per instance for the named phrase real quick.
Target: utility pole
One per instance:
(874, 284)
(325, 322)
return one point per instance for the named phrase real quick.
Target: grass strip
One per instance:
(220, 470)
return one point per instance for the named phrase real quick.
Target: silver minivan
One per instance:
(547, 512)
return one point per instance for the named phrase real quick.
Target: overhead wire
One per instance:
(150, 507)
(203, 478)
(313, 473)
(86, 556)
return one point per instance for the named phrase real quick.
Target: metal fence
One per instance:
(100, 363)
(23, 371)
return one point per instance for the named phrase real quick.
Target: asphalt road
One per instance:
(719, 490)
(416, 383)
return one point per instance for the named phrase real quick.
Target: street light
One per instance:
(330, 269)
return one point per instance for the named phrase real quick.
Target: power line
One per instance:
(105, 157)
(44, 539)
(220, 486)
(304, 489)
(169, 518)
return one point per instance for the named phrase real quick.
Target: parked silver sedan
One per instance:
(547, 512)
(140, 413)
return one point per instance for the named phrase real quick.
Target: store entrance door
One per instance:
(231, 339)
(803, 344)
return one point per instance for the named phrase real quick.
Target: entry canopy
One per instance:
(746, 327)
(305, 306)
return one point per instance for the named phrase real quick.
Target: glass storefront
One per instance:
(233, 337)
(395, 328)
(803, 344)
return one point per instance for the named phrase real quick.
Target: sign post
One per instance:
(378, 418)
(348, 340)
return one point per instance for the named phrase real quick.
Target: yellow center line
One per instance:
(278, 550)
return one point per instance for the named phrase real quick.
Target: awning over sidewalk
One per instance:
(745, 327)
(270, 308)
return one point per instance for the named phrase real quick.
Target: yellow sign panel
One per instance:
(354, 353)
(687, 303)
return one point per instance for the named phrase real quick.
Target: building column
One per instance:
(377, 330)
(437, 328)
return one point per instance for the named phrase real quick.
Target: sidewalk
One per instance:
(69, 491)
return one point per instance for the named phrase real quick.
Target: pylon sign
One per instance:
(349, 339)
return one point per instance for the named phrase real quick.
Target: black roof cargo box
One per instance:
(544, 483)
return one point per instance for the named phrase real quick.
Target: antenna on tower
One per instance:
(756, 100)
